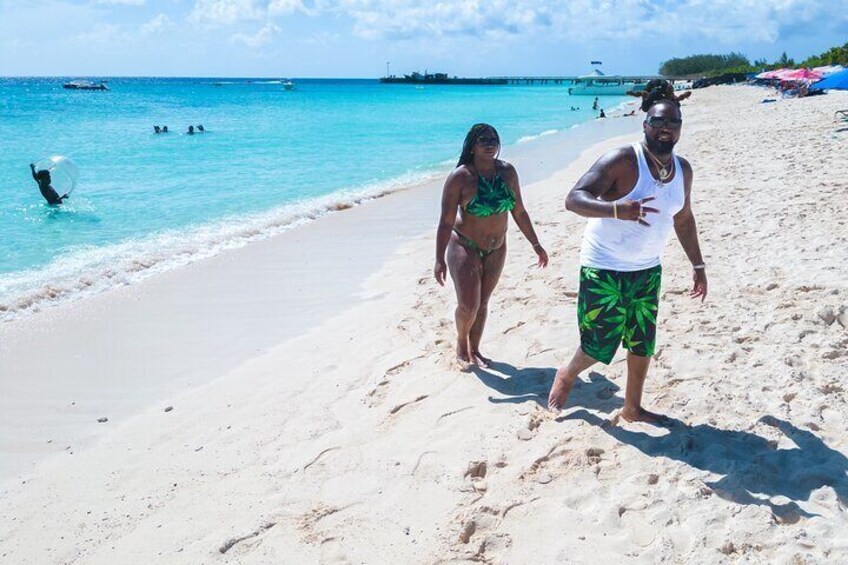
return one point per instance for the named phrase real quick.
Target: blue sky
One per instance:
(355, 38)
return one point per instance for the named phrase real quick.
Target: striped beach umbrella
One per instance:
(771, 74)
(799, 74)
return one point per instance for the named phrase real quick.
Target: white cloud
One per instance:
(722, 21)
(226, 12)
(262, 37)
(101, 33)
(124, 2)
(726, 21)
(286, 7)
(158, 24)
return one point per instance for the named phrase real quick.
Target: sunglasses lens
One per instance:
(672, 123)
(488, 141)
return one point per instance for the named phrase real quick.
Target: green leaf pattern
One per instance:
(618, 307)
(492, 198)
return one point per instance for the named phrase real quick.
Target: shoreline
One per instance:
(362, 424)
(120, 351)
(84, 273)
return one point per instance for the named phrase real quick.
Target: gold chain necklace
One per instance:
(664, 171)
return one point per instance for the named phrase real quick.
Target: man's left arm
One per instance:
(687, 234)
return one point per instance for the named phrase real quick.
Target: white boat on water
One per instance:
(288, 85)
(599, 84)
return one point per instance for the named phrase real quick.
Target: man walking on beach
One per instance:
(634, 196)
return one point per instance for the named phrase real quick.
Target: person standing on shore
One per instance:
(633, 196)
(472, 230)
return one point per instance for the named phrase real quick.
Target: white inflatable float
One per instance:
(63, 173)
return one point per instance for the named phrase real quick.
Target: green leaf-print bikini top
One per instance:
(494, 197)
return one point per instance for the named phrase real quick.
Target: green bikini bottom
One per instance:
(472, 245)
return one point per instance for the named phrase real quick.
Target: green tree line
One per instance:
(711, 65)
(699, 64)
(833, 56)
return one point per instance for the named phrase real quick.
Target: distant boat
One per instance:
(598, 84)
(288, 85)
(85, 85)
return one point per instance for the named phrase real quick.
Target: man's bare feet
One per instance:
(641, 415)
(479, 359)
(560, 391)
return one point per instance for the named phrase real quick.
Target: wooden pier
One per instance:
(442, 78)
(568, 80)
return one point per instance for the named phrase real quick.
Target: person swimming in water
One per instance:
(190, 130)
(200, 128)
(48, 192)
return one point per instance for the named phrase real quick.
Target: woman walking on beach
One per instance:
(483, 189)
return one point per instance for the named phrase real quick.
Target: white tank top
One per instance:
(620, 245)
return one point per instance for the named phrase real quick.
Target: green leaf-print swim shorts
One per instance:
(615, 308)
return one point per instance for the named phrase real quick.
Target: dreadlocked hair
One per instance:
(656, 91)
(467, 155)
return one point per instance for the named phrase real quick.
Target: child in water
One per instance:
(47, 191)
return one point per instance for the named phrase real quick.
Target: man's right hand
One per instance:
(635, 210)
(440, 271)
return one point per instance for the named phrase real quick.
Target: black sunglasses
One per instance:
(670, 123)
(488, 141)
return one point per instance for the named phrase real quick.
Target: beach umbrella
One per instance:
(828, 70)
(836, 81)
(799, 74)
(771, 74)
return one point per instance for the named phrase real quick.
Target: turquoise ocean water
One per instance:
(270, 159)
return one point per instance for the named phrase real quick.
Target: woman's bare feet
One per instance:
(462, 356)
(560, 390)
(479, 359)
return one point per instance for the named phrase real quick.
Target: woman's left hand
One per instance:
(542, 255)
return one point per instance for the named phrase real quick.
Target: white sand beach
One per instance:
(352, 439)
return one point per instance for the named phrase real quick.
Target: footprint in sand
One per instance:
(593, 454)
(528, 430)
(308, 523)
(640, 530)
(516, 326)
(538, 470)
(477, 531)
(399, 407)
(332, 552)
(475, 477)
(376, 395)
(248, 541)
(315, 459)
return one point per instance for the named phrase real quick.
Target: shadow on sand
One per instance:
(534, 383)
(750, 464)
